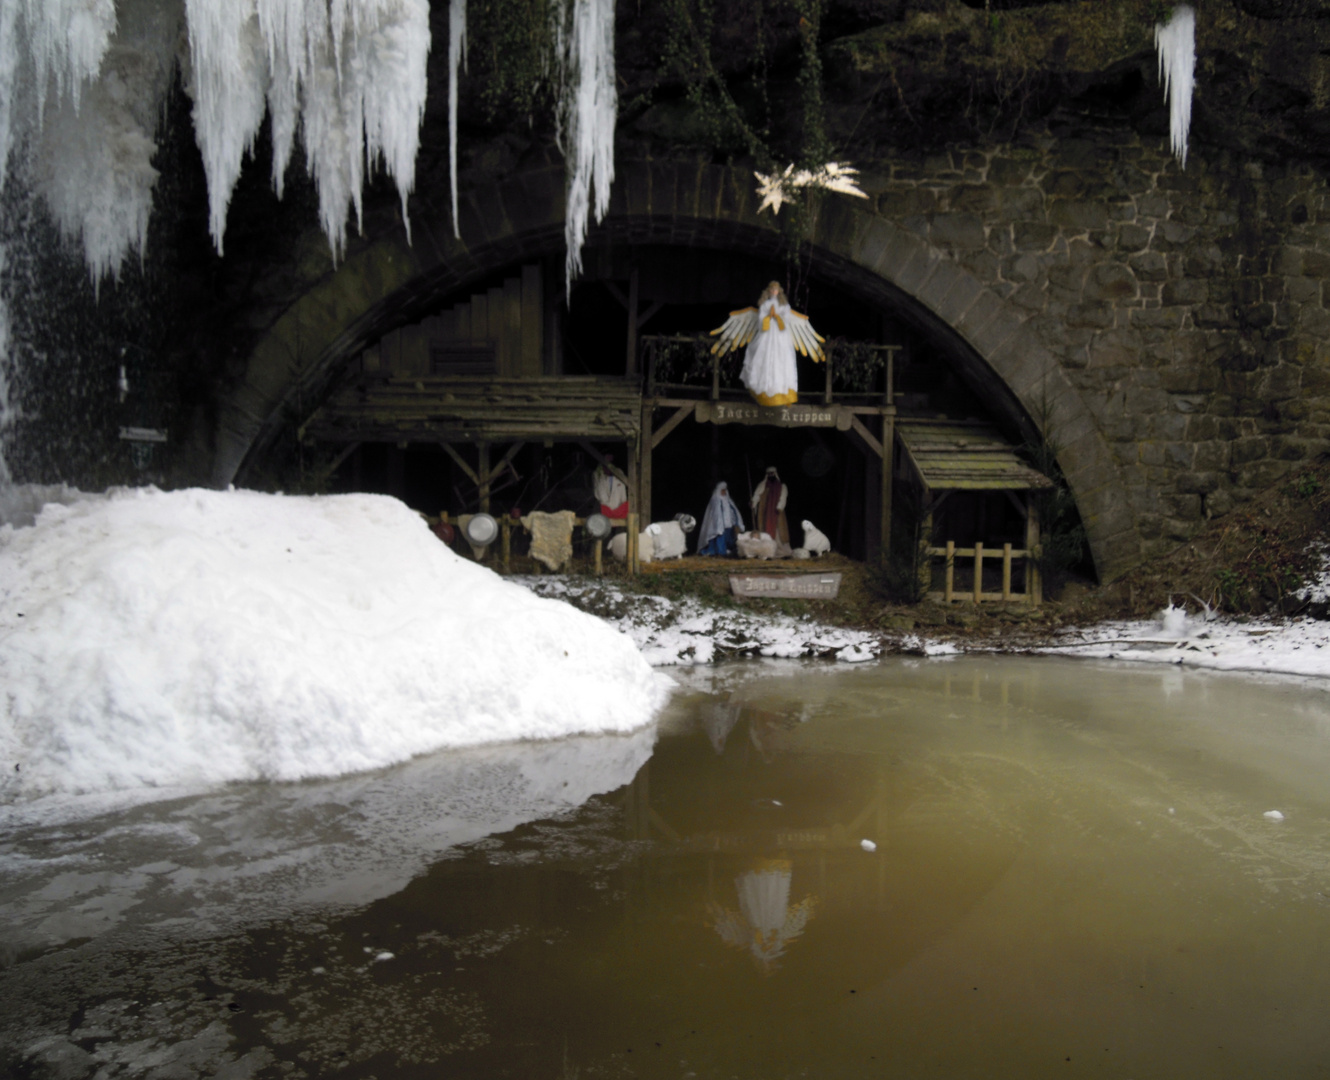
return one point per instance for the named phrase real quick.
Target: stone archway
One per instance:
(694, 204)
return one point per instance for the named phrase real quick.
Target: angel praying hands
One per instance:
(773, 333)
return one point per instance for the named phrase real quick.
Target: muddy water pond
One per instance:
(973, 867)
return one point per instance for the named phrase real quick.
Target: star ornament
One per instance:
(777, 189)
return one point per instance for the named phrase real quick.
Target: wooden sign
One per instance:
(725, 412)
(786, 586)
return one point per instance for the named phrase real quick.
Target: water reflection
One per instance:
(1071, 862)
(765, 922)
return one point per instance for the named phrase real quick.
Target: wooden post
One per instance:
(630, 367)
(596, 546)
(644, 483)
(951, 571)
(506, 539)
(926, 541)
(888, 476)
(483, 477)
(1034, 585)
(631, 561)
(978, 571)
(1006, 576)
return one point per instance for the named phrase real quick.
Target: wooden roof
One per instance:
(958, 455)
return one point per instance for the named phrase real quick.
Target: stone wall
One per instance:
(1168, 331)
(1190, 308)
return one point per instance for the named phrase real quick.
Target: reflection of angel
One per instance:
(765, 920)
(776, 332)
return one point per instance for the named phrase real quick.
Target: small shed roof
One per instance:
(958, 455)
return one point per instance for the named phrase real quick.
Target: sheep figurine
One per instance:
(659, 540)
(815, 541)
(756, 545)
(645, 545)
(669, 539)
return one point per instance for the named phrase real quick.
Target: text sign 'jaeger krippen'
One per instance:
(723, 412)
(787, 586)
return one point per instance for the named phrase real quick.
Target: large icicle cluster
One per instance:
(82, 84)
(1176, 45)
(350, 74)
(456, 58)
(588, 109)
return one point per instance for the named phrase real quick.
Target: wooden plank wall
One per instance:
(510, 318)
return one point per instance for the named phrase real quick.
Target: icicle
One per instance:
(1176, 45)
(588, 107)
(456, 59)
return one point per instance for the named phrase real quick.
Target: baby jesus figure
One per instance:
(773, 332)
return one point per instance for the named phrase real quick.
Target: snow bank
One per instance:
(687, 632)
(153, 639)
(1283, 647)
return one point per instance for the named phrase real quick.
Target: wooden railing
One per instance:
(1031, 593)
(653, 344)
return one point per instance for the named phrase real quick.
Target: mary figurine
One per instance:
(720, 524)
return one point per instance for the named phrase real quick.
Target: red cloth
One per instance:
(619, 513)
(771, 519)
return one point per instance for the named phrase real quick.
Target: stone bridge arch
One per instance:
(386, 281)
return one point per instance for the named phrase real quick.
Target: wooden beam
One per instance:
(658, 436)
(614, 469)
(461, 463)
(654, 307)
(630, 355)
(857, 426)
(484, 473)
(888, 477)
(644, 485)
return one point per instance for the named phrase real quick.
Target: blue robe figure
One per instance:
(720, 524)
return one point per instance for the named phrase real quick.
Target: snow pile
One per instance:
(190, 638)
(1176, 45)
(688, 632)
(1288, 647)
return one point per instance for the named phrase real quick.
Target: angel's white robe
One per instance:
(770, 371)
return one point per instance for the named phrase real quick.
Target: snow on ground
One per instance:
(1288, 646)
(155, 640)
(670, 632)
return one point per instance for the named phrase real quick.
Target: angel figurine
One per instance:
(773, 333)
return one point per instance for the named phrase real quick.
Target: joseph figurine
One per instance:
(769, 511)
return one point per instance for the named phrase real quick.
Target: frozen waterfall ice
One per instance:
(1176, 44)
(588, 109)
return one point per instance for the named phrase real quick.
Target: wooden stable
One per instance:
(947, 457)
(478, 380)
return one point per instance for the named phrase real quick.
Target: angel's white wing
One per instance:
(807, 340)
(737, 331)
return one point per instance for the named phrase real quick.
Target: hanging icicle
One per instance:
(588, 110)
(456, 59)
(1176, 45)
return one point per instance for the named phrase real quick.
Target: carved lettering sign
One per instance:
(786, 586)
(724, 412)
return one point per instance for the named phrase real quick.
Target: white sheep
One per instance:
(669, 539)
(815, 541)
(756, 545)
(645, 545)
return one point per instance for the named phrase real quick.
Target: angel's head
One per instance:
(773, 291)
